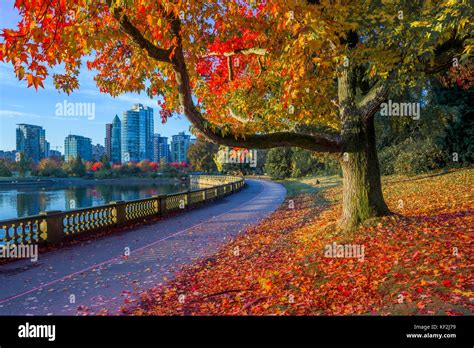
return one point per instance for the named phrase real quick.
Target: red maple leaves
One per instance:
(416, 262)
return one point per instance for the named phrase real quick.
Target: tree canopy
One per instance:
(251, 70)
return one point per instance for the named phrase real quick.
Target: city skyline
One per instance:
(31, 141)
(19, 104)
(56, 138)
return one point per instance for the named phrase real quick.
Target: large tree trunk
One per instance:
(362, 189)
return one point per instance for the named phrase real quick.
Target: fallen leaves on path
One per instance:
(417, 261)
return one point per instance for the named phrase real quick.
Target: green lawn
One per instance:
(310, 184)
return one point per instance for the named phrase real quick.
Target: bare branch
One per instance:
(259, 51)
(229, 67)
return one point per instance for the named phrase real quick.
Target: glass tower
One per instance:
(116, 142)
(31, 141)
(137, 134)
(76, 145)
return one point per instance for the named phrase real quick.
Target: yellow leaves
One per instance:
(463, 21)
(30, 78)
(418, 24)
(21, 73)
(373, 71)
(469, 294)
(265, 283)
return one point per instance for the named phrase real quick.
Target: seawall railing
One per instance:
(55, 226)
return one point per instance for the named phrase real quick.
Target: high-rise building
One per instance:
(116, 142)
(47, 149)
(179, 147)
(8, 155)
(137, 134)
(55, 154)
(77, 145)
(108, 140)
(44, 144)
(98, 151)
(161, 149)
(31, 141)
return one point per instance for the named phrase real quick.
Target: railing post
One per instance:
(163, 209)
(188, 199)
(156, 199)
(55, 226)
(120, 213)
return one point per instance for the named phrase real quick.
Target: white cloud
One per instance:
(11, 113)
(137, 99)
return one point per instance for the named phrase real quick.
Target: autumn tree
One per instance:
(76, 167)
(23, 165)
(255, 74)
(50, 167)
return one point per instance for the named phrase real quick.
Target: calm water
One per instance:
(22, 201)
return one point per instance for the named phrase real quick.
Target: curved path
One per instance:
(94, 276)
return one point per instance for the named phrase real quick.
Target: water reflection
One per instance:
(23, 201)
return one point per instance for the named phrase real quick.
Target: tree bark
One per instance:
(362, 189)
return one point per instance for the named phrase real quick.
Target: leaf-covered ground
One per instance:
(417, 261)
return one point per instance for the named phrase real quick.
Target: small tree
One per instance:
(50, 167)
(24, 165)
(145, 166)
(4, 170)
(168, 170)
(106, 162)
(201, 155)
(77, 167)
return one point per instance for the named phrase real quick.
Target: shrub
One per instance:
(51, 167)
(411, 157)
(279, 163)
(304, 163)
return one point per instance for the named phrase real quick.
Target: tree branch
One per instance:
(374, 97)
(444, 55)
(380, 90)
(229, 67)
(313, 142)
(157, 53)
(259, 51)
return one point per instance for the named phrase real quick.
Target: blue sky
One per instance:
(19, 104)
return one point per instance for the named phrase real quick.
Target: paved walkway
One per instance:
(95, 274)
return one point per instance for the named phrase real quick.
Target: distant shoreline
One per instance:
(85, 182)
